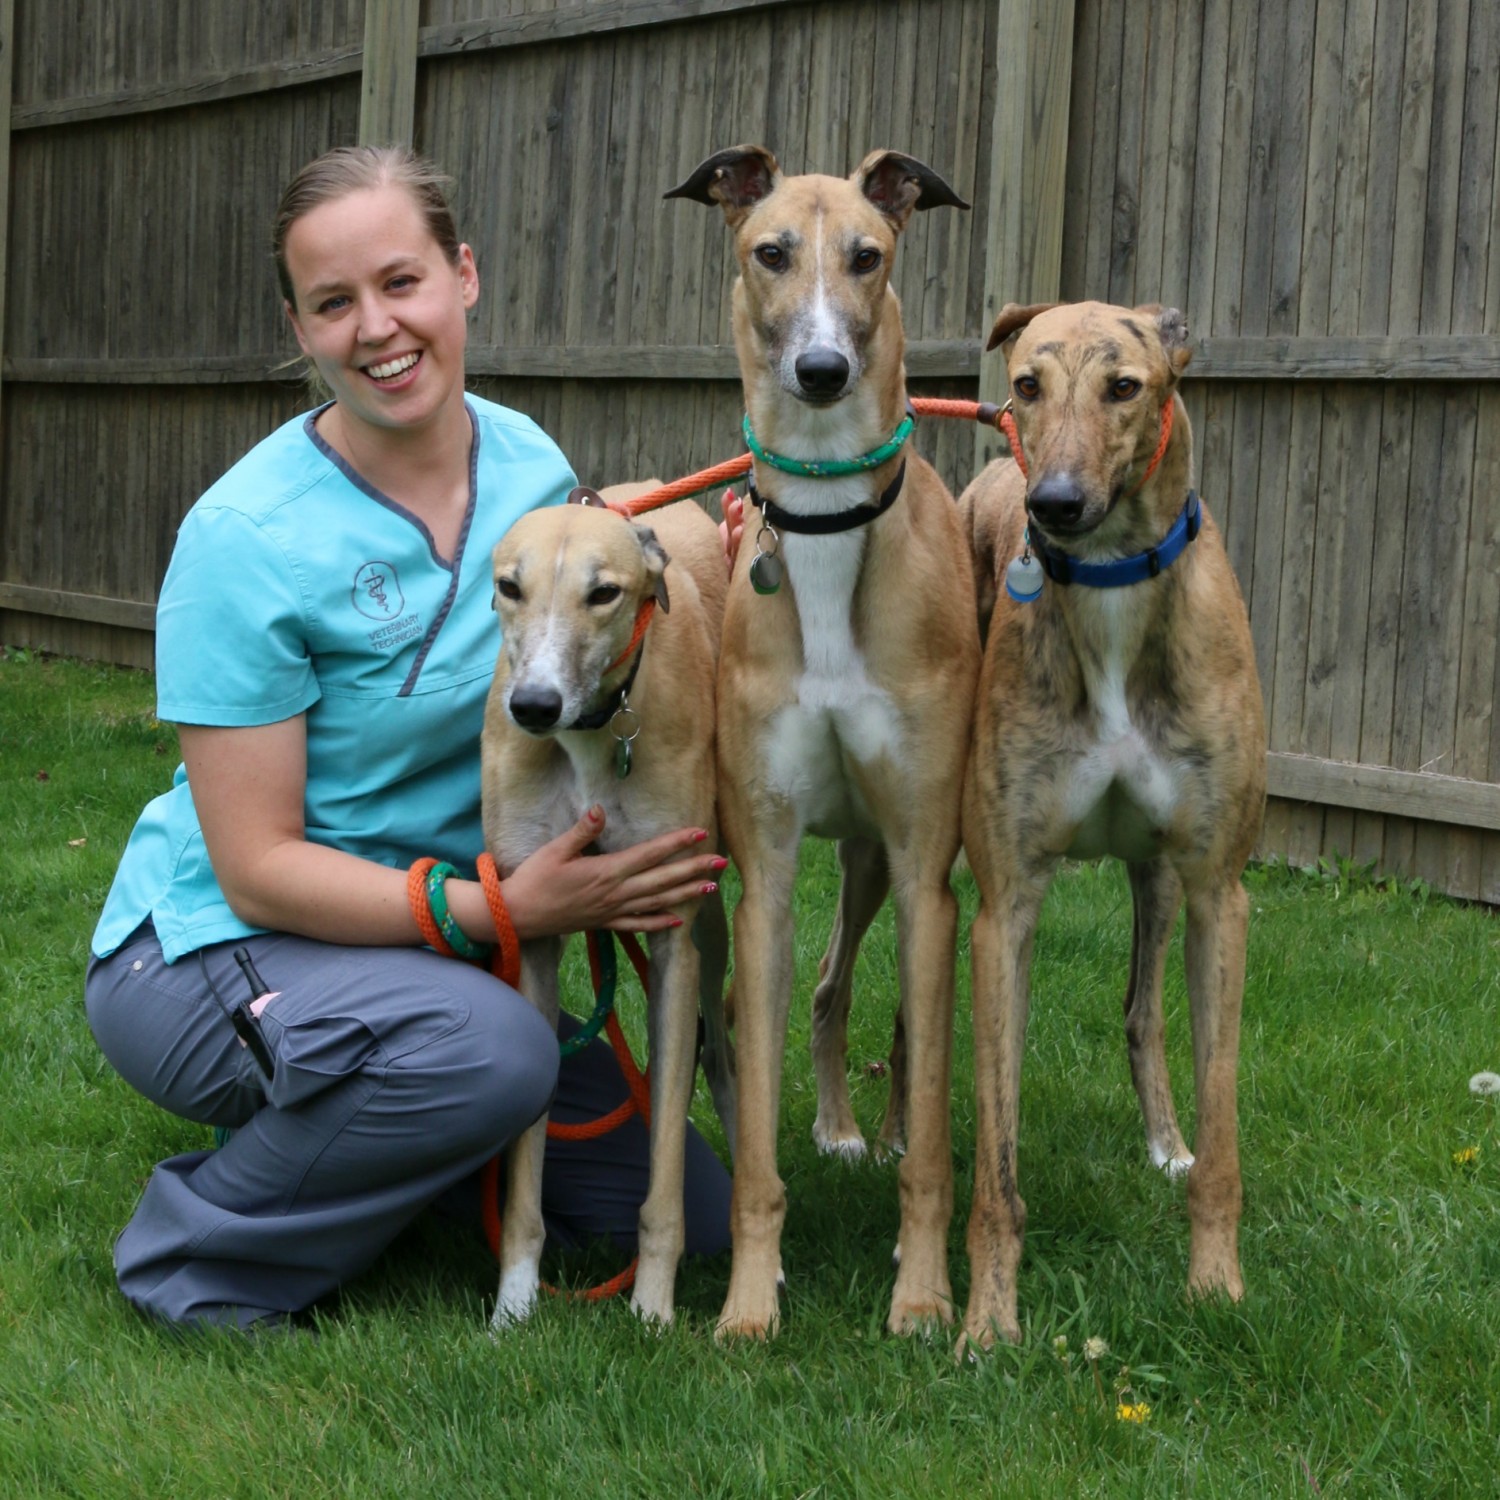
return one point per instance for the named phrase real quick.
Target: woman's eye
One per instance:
(508, 588)
(1027, 388)
(772, 257)
(332, 304)
(866, 259)
(1124, 388)
(606, 593)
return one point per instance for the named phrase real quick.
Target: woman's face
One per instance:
(379, 308)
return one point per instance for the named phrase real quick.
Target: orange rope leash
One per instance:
(643, 617)
(983, 412)
(506, 965)
(1007, 425)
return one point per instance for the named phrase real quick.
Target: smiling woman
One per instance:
(324, 644)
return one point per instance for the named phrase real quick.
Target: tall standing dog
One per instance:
(583, 712)
(1119, 713)
(845, 687)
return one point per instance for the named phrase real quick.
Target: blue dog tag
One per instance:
(1023, 579)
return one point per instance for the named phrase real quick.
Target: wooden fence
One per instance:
(1313, 181)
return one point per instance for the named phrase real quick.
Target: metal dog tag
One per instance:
(1023, 578)
(765, 573)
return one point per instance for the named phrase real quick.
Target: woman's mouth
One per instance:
(392, 369)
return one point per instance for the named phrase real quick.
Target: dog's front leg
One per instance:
(866, 879)
(523, 1232)
(763, 989)
(672, 1017)
(1156, 893)
(1218, 918)
(711, 938)
(927, 925)
(1000, 942)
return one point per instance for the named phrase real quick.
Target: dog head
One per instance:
(815, 261)
(569, 583)
(1088, 386)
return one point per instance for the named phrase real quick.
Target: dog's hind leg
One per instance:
(522, 1233)
(1157, 894)
(866, 879)
(711, 938)
(1217, 921)
(672, 1022)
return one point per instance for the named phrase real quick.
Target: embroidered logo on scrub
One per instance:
(377, 595)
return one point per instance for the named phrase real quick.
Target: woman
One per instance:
(324, 644)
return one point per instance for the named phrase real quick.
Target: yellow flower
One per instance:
(1138, 1412)
(1466, 1157)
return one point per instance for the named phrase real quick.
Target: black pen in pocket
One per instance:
(243, 1019)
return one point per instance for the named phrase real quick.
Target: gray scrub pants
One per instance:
(397, 1075)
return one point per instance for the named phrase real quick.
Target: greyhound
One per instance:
(583, 712)
(845, 686)
(1119, 713)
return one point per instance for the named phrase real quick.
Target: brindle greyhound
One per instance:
(1119, 713)
(845, 687)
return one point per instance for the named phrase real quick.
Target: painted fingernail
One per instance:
(676, 922)
(718, 862)
(708, 888)
(699, 834)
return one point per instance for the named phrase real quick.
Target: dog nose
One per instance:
(1056, 500)
(822, 371)
(535, 708)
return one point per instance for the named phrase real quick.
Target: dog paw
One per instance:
(844, 1148)
(1173, 1160)
(517, 1299)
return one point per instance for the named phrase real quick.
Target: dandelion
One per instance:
(1485, 1084)
(1133, 1411)
(1060, 1346)
(1466, 1156)
(1094, 1350)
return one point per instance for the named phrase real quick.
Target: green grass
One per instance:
(1364, 1360)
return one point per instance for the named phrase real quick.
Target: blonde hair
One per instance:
(349, 169)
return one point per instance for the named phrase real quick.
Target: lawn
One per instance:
(1364, 1359)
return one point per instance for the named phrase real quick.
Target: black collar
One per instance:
(601, 716)
(842, 520)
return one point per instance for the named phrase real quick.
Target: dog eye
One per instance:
(1027, 387)
(508, 588)
(772, 257)
(866, 259)
(606, 593)
(1124, 388)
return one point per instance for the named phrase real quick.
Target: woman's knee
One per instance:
(506, 1070)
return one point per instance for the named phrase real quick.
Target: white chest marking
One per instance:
(1122, 794)
(839, 713)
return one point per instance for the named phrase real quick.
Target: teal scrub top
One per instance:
(296, 587)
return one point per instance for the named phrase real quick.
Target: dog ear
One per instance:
(736, 179)
(897, 184)
(582, 495)
(656, 564)
(1013, 318)
(1171, 325)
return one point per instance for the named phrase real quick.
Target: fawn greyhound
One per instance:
(845, 686)
(1118, 713)
(587, 709)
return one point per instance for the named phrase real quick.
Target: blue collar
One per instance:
(1061, 568)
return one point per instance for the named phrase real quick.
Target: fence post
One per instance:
(1028, 173)
(7, 70)
(388, 84)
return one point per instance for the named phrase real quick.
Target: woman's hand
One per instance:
(560, 888)
(732, 527)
